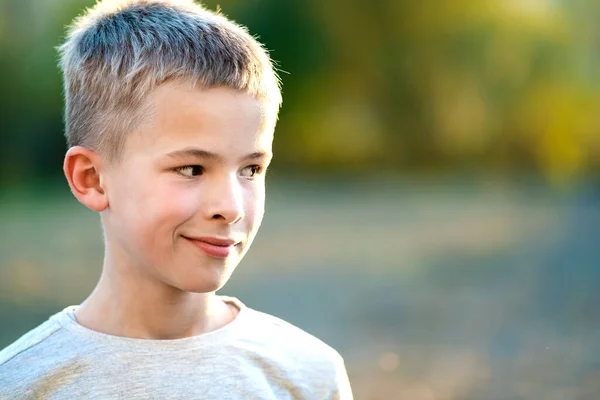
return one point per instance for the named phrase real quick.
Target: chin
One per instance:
(202, 287)
(205, 281)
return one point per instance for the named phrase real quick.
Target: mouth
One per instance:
(213, 246)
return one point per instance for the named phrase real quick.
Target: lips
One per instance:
(213, 246)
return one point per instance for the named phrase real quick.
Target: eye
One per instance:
(251, 170)
(190, 170)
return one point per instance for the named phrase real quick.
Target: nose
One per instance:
(226, 200)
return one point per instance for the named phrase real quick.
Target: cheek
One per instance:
(170, 206)
(158, 210)
(256, 207)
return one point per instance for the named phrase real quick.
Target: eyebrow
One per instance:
(205, 154)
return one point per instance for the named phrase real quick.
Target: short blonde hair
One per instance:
(119, 51)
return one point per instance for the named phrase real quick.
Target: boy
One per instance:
(170, 113)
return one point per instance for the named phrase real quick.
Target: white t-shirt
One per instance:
(256, 356)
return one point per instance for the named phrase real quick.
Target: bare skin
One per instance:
(114, 309)
(192, 172)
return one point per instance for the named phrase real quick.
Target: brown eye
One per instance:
(251, 170)
(190, 170)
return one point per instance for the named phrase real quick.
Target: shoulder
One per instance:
(283, 333)
(31, 356)
(294, 355)
(28, 342)
(286, 343)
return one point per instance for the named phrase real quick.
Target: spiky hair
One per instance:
(119, 51)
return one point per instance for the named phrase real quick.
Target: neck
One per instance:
(130, 305)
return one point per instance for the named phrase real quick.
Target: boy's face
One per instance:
(187, 197)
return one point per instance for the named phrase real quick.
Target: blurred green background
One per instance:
(433, 206)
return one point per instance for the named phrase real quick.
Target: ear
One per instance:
(83, 172)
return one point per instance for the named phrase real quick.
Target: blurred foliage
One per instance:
(398, 85)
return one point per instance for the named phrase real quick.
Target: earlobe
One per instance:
(82, 170)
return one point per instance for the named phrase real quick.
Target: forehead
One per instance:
(220, 120)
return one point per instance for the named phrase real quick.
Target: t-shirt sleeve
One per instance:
(342, 390)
